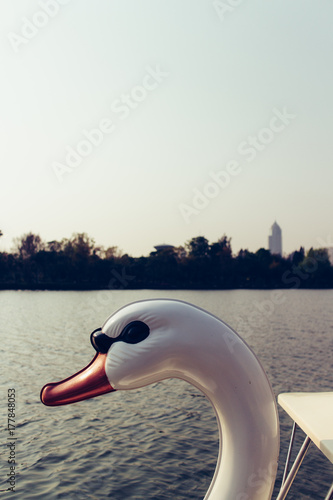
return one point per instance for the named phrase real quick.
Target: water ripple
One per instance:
(158, 442)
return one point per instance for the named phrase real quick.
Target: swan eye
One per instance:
(134, 332)
(100, 341)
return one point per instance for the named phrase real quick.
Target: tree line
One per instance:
(78, 264)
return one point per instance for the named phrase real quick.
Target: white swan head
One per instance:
(152, 340)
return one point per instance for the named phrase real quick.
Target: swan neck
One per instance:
(245, 407)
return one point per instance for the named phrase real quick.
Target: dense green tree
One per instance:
(221, 263)
(264, 257)
(28, 245)
(80, 245)
(246, 269)
(54, 246)
(162, 268)
(316, 269)
(222, 248)
(198, 247)
(113, 253)
(297, 257)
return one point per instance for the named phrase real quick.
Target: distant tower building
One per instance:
(275, 239)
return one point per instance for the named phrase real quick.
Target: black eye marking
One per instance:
(133, 333)
(100, 341)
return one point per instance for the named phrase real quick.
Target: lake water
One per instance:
(159, 442)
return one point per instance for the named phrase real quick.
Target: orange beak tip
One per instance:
(85, 384)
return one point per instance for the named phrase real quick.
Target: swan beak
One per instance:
(89, 382)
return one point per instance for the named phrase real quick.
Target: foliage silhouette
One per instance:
(78, 264)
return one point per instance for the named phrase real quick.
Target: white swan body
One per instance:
(189, 343)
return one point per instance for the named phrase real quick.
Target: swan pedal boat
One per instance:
(152, 340)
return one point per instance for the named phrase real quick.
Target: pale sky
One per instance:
(213, 117)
